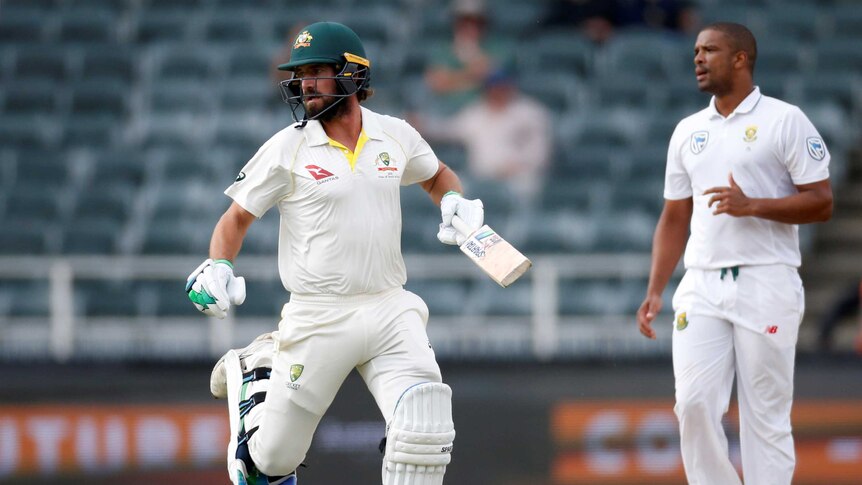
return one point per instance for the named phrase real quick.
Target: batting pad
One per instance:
(420, 435)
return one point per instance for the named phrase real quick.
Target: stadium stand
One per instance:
(117, 117)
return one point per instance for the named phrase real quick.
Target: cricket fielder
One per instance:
(335, 176)
(742, 173)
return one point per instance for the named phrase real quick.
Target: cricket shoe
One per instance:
(255, 355)
(240, 476)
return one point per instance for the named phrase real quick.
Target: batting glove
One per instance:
(213, 288)
(472, 212)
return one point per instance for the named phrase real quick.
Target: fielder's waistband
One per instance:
(733, 270)
(324, 298)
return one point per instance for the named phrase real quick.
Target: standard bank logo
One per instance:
(816, 148)
(698, 141)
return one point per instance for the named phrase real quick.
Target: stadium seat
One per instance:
(628, 231)
(18, 28)
(28, 298)
(109, 298)
(563, 49)
(92, 234)
(31, 201)
(635, 52)
(45, 63)
(111, 203)
(793, 23)
(124, 169)
(227, 28)
(114, 66)
(31, 97)
(846, 20)
(159, 28)
(264, 299)
(28, 237)
(443, 297)
(100, 98)
(94, 27)
(41, 170)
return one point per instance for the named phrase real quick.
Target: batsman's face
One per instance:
(316, 91)
(713, 62)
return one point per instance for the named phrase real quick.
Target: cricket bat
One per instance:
(497, 258)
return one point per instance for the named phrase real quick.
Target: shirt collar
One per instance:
(315, 135)
(745, 106)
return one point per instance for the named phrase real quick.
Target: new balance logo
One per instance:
(318, 173)
(772, 329)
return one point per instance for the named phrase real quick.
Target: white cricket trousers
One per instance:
(321, 339)
(741, 322)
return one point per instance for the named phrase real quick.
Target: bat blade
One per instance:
(493, 254)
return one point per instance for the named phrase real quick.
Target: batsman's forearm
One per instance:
(444, 181)
(229, 233)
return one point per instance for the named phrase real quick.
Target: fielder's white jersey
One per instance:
(770, 147)
(340, 211)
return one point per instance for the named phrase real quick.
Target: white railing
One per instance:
(543, 335)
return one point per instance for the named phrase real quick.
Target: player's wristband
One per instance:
(225, 261)
(452, 192)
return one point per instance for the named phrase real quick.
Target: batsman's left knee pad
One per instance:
(420, 437)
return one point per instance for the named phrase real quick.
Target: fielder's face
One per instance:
(714, 59)
(318, 85)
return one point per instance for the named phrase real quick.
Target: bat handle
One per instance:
(461, 226)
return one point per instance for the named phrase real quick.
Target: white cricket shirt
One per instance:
(770, 147)
(340, 230)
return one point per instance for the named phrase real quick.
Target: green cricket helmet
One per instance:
(326, 43)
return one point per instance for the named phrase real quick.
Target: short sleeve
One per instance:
(677, 183)
(422, 163)
(264, 180)
(805, 153)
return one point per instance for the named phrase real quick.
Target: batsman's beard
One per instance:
(330, 109)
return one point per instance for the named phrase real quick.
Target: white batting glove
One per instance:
(472, 212)
(213, 288)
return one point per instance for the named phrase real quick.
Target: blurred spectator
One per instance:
(594, 18)
(849, 304)
(457, 69)
(676, 15)
(597, 19)
(508, 138)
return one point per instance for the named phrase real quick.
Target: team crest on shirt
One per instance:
(816, 148)
(295, 373)
(750, 134)
(698, 141)
(681, 321)
(386, 166)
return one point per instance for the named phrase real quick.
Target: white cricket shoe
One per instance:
(256, 354)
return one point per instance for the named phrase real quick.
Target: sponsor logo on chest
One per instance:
(321, 175)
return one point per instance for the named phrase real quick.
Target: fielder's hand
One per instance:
(472, 212)
(647, 312)
(731, 200)
(212, 287)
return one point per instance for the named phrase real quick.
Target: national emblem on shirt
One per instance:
(750, 134)
(386, 166)
(681, 321)
(816, 148)
(698, 141)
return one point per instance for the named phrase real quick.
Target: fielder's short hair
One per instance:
(740, 37)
